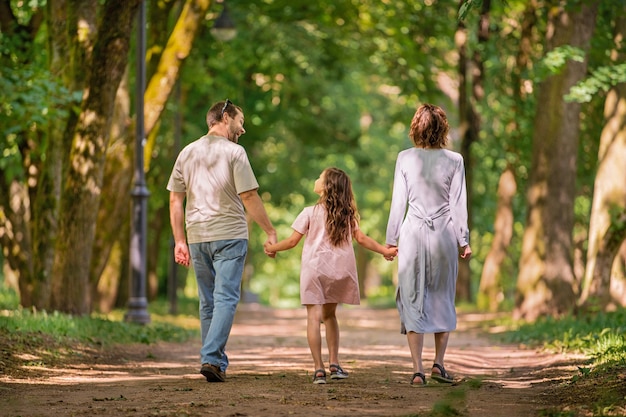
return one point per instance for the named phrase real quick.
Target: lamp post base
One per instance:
(137, 311)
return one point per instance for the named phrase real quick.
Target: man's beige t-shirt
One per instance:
(213, 171)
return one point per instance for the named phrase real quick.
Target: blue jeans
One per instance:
(219, 267)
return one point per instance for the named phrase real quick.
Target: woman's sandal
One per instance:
(319, 377)
(337, 372)
(418, 375)
(442, 376)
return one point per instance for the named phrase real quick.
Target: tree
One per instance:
(546, 283)
(491, 288)
(328, 82)
(168, 50)
(80, 197)
(607, 229)
(53, 186)
(490, 291)
(471, 73)
(29, 185)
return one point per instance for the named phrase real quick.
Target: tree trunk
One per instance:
(159, 229)
(113, 213)
(490, 293)
(607, 227)
(15, 236)
(618, 278)
(83, 182)
(469, 123)
(120, 264)
(106, 289)
(27, 216)
(546, 283)
(176, 51)
(605, 232)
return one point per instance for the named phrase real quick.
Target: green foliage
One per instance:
(54, 336)
(474, 383)
(335, 82)
(618, 220)
(583, 372)
(383, 296)
(450, 404)
(9, 299)
(331, 83)
(555, 60)
(571, 333)
(95, 329)
(30, 97)
(24, 10)
(467, 7)
(602, 336)
(600, 80)
(443, 409)
(92, 330)
(185, 306)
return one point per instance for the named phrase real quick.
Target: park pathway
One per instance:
(270, 374)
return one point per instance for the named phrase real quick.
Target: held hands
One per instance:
(268, 252)
(391, 252)
(271, 240)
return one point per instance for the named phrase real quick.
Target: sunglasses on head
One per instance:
(226, 103)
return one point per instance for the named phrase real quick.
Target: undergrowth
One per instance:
(602, 336)
(599, 336)
(18, 324)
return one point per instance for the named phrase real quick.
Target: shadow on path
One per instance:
(270, 374)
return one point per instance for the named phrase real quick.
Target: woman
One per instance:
(429, 187)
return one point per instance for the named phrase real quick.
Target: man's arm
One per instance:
(177, 221)
(255, 209)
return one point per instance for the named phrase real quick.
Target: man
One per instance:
(214, 175)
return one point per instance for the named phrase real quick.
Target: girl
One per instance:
(328, 273)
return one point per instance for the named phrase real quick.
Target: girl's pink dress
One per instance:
(328, 273)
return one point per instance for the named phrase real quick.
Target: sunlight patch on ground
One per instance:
(272, 343)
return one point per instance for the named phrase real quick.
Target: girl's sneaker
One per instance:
(336, 372)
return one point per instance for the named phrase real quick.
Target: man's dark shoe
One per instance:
(212, 373)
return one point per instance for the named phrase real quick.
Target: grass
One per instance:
(23, 328)
(93, 329)
(31, 338)
(602, 336)
(599, 336)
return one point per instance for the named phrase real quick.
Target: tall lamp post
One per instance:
(224, 28)
(137, 302)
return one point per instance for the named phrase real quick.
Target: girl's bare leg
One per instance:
(313, 334)
(332, 331)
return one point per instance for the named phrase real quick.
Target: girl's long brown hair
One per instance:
(338, 200)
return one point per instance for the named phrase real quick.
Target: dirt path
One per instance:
(270, 375)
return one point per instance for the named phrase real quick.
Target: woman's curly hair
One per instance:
(338, 200)
(429, 127)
